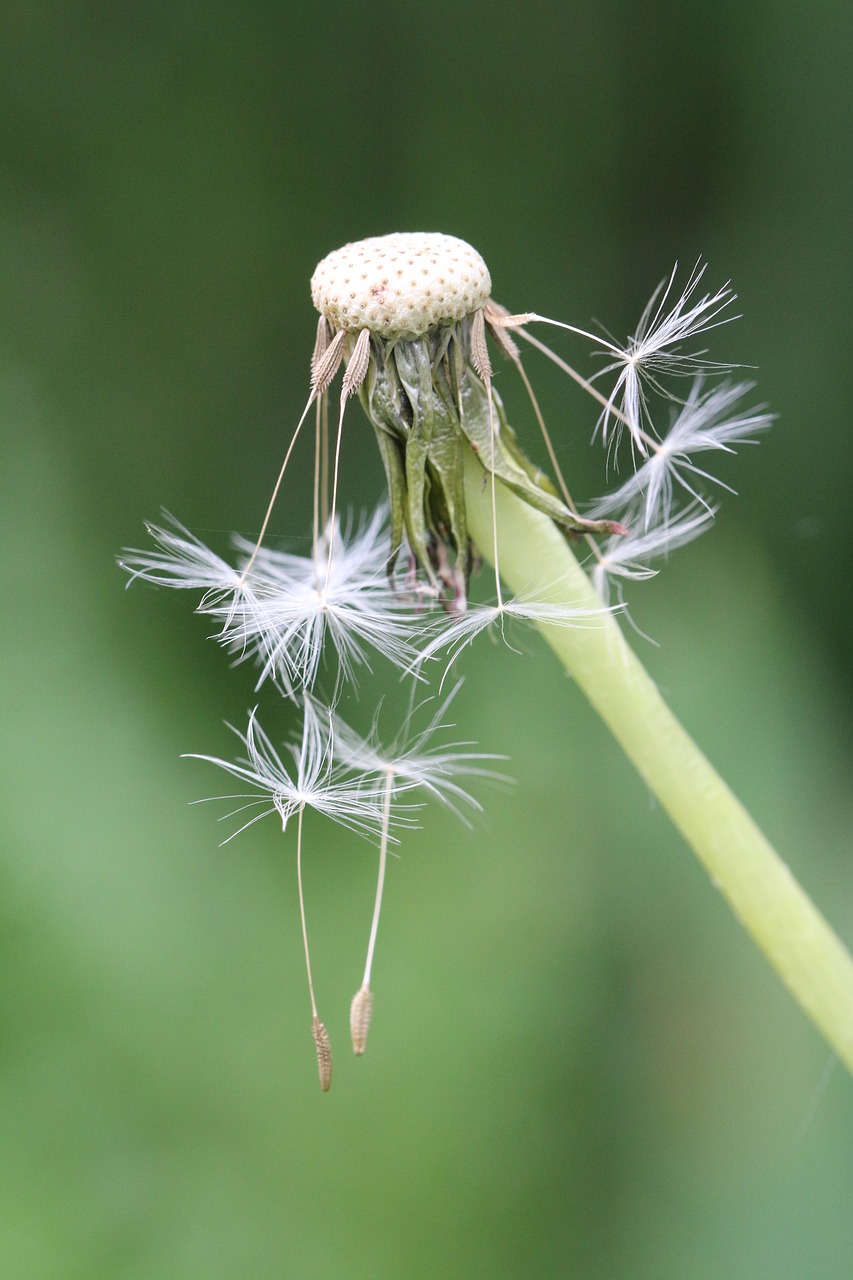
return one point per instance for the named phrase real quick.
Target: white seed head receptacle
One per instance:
(400, 285)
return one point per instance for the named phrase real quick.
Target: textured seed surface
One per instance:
(324, 1053)
(400, 285)
(361, 1011)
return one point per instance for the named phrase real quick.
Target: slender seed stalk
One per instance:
(318, 1030)
(535, 558)
(324, 460)
(380, 883)
(361, 1010)
(269, 511)
(302, 908)
(318, 452)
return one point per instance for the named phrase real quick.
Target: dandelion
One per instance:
(319, 782)
(418, 308)
(410, 320)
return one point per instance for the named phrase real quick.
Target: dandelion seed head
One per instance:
(400, 285)
(408, 321)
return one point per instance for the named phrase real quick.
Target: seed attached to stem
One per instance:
(361, 1011)
(324, 1053)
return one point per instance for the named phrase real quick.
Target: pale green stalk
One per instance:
(537, 563)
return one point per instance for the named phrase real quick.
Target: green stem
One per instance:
(536, 562)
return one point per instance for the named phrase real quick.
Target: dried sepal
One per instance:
(361, 1011)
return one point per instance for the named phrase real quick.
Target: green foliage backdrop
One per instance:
(579, 1066)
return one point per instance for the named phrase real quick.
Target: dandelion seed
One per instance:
(414, 759)
(361, 1012)
(654, 350)
(704, 424)
(628, 558)
(183, 561)
(319, 783)
(410, 762)
(452, 635)
(342, 596)
(652, 353)
(324, 1053)
(361, 1009)
(282, 611)
(321, 1039)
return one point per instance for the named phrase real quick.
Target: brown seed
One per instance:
(357, 367)
(324, 1053)
(479, 349)
(327, 364)
(361, 1011)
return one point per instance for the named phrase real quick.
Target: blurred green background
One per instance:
(578, 1065)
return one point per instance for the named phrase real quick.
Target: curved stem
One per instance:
(782, 919)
